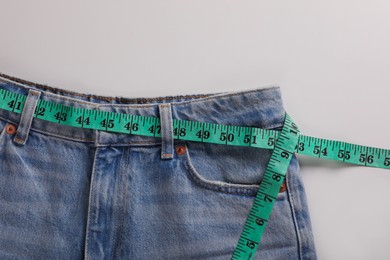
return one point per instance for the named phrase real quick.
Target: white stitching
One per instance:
(294, 217)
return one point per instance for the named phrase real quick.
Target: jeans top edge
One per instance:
(259, 107)
(51, 92)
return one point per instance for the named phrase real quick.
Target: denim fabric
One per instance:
(73, 193)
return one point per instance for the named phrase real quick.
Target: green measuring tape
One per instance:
(284, 143)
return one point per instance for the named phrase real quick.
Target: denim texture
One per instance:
(73, 193)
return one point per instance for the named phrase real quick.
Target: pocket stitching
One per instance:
(219, 186)
(3, 125)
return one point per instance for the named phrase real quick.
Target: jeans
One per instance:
(74, 193)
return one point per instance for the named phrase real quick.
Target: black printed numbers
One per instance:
(259, 221)
(387, 161)
(344, 154)
(133, 127)
(277, 177)
(82, 121)
(247, 139)
(40, 111)
(250, 244)
(152, 129)
(267, 198)
(364, 158)
(14, 105)
(226, 137)
(294, 130)
(203, 134)
(317, 150)
(285, 154)
(179, 132)
(60, 116)
(107, 123)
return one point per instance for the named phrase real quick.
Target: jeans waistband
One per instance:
(256, 107)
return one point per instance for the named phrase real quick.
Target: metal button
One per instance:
(283, 187)
(180, 149)
(10, 129)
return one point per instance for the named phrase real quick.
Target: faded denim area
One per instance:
(73, 193)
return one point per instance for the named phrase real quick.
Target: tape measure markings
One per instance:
(196, 131)
(268, 190)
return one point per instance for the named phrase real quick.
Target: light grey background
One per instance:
(331, 59)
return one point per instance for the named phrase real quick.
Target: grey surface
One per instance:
(330, 58)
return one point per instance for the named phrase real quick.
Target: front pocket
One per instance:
(223, 168)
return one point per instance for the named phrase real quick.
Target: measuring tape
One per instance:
(268, 190)
(284, 144)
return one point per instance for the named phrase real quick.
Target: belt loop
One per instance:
(27, 116)
(166, 130)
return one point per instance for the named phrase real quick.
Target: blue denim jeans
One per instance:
(73, 193)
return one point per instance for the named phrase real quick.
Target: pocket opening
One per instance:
(249, 172)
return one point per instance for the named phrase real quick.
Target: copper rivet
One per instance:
(283, 187)
(180, 150)
(10, 129)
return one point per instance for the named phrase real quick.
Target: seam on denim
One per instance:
(128, 144)
(91, 199)
(292, 206)
(229, 94)
(71, 100)
(2, 134)
(28, 84)
(97, 137)
(117, 194)
(63, 137)
(7, 120)
(50, 133)
(274, 125)
(210, 97)
(123, 208)
(128, 105)
(177, 103)
(231, 188)
(202, 97)
(2, 129)
(180, 141)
